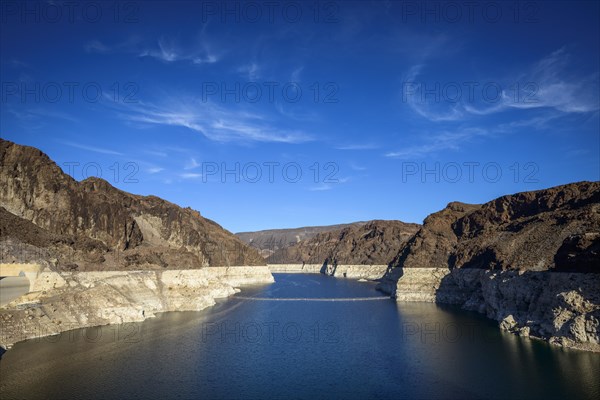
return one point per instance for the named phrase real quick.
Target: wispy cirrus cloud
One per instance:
(190, 175)
(454, 140)
(41, 113)
(250, 71)
(321, 187)
(549, 85)
(93, 149)
(154, 170)
(169, 50)
(546, 84)
(357, 146)
(191, 164)
(447, 140)
(213, 121)
(165, 49)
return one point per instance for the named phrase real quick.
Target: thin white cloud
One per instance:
(42, 113)
(321, 187)
(155, 153)
(250, 71)
(440, 142)
(15, 63)
(329, 185)
(295, 77)
(92, 148)
(164, 49)
(455, 140)
(546, 84)
(412, 94)
(295, 112)
(155, 170)
(357, 167)
(95, 46)
(169, 50)
(129, 45)
(357, 146)
(191, 164)
(212, 121)
(190, 175)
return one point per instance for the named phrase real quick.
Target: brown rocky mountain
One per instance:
(375, 242)
(530, 261)
(551, 229)
(270, 240)
(104, 227)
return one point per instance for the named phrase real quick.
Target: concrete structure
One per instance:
(371, 272)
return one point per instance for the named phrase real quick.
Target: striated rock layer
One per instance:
(61, 301)
(531, 261)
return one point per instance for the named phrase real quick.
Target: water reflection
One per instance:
(258, 349)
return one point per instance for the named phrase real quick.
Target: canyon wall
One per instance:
(372, 243)
(529, 261)
(271, 240)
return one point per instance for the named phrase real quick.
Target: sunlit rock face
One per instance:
(91, 225)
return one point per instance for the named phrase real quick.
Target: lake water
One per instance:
(246, 348)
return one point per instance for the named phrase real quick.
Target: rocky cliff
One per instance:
(100, 226)
(528, 260)
(375, 242)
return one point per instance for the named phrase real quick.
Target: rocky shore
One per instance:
(529, 261)
(562, 308)
(61, 301)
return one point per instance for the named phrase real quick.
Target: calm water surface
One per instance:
(244, 348)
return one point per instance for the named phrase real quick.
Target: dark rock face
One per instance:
(375, 242)
(271, 240)
(551, 229)
(133, 231)
(433, 244)
(579, 253)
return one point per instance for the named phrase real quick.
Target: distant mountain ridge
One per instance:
(270, 240)
(373, 242)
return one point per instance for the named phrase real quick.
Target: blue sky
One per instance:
(318, 112)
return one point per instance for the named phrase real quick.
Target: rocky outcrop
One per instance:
(61, 301)
(270, 240)
(374, 243)
(531, 231)
(434, 242)
(104, 227)
(530, 261)
(562, 308)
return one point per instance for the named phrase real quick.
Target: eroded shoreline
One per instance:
(62, 301)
